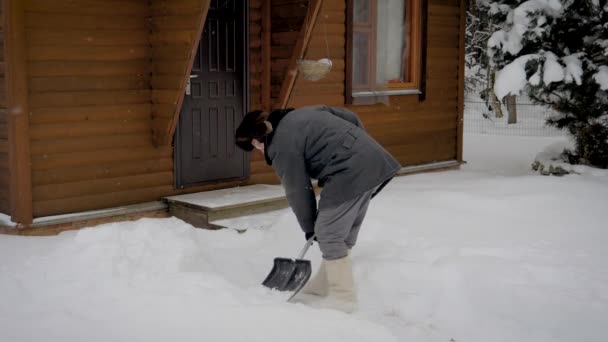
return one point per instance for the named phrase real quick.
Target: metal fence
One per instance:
(531, 118)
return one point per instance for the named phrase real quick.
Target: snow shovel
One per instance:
(289, 274)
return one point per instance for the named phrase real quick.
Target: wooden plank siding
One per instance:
(423, 132)
(414, 132)
(287, 20)
(106, 78)
(89, 92)
(19, 162)
(4, 169)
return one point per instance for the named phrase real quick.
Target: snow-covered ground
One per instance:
(492, 252)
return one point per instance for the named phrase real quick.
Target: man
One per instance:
(330, 145)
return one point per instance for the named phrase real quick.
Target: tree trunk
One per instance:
(511, 108)
(494, 101)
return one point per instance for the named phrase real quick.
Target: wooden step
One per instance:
(202, 209)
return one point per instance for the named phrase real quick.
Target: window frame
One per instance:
(413, 56)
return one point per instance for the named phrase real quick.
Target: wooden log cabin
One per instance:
(107, 103)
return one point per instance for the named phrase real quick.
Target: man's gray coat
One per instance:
(330, 145)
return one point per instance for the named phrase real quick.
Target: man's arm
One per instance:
(291, 168)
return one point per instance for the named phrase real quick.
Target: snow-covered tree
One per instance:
(556, 51)
(476, 58)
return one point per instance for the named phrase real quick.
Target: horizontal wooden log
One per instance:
(87, 129)
(430, 146)
(89, 143)
(443, 41)
(413, 139)
(282, 52)
(4, 131)
(4, 162)
(46, 21)
(168, 23)
(86, 83)
(101, 171)
(4, 203)
(255, 28)
(162, 53)
(294, 11)
(5, 179)
(332, 17)
(444, 11)
(311, 89)
(89, 98)
(383, 131)
(163, 110)
(170, 67)
(88, 68)
(306, 100)
(174, 8)
(78, 159)
(165, 96)
(90, 53)
(434, 52)
(172, 37)
(101, 186)
(88, 7)
(334, 76)
(41, 116)
(303, 3)
(412, 121)
(447, 2)
(167, 82)
(255, 15)
(3, 145)
(447, 22)
(100, 201)
(86, 38)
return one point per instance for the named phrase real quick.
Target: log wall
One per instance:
(415, 132)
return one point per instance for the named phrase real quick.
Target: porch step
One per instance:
(204, 208)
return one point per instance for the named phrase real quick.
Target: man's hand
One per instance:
(309, 235)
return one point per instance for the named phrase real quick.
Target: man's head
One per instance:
(252, 130)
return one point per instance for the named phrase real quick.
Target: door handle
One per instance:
(188, 85)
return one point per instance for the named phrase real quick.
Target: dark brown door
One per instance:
(215, 100)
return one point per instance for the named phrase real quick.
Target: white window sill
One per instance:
(387, 92)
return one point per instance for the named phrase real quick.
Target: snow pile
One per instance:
(155, 280)
(601, 77)
(493, 252)
(551, 161)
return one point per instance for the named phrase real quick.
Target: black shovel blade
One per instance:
(288, 274)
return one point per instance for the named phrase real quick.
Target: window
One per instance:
(384, 43)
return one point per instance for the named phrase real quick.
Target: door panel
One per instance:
(215, 100)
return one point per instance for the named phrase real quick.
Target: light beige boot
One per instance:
(342, 294)
(317, 285)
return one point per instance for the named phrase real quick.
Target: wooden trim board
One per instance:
(18, 113)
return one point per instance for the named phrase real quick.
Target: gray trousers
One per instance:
(337, 227)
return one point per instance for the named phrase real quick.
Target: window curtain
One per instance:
(390, 41)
